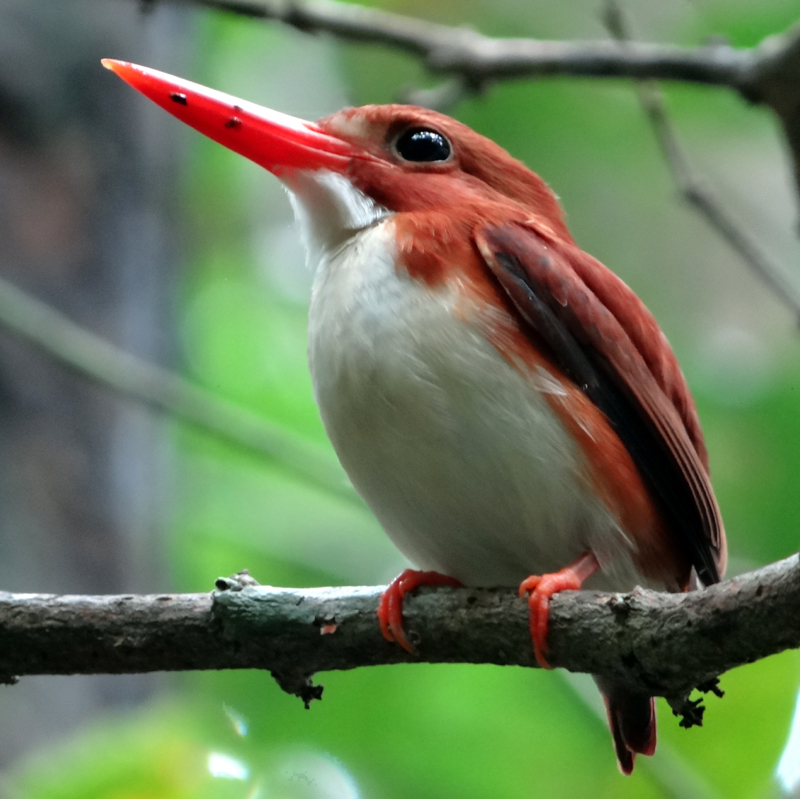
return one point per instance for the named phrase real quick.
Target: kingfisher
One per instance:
(506, 405)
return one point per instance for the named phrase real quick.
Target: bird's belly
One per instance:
(457, 452)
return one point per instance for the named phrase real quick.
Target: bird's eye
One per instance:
(421, 144)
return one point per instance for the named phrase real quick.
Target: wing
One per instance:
(602, 336)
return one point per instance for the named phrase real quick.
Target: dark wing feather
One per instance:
(605, 340)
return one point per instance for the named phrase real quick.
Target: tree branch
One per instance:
(480, 58)
(664, 644)
(131, 377)
(764, 74)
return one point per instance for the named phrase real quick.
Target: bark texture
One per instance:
(665, 644)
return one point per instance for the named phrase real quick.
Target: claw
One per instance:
(541, 587)
(390, 609)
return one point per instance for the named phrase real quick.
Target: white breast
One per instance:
(457, 453)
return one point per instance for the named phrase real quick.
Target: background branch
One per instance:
(91, 355)
(765, 74)
(695, 190)
(666, 644)
(479, 58)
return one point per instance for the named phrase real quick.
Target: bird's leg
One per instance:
(541, 587)
(390, 609)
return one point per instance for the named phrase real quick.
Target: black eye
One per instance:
(421, 144)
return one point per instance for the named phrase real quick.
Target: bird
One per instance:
(507, 407)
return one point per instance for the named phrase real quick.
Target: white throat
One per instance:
(329, 209)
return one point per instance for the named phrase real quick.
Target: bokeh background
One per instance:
(185, 254)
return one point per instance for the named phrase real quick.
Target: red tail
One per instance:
(632, 719)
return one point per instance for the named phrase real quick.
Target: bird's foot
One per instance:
(540, 588)
(390, 609)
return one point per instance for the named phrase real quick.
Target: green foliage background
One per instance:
(441, 731)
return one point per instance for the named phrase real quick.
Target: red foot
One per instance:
(541, 587)
(390, 610)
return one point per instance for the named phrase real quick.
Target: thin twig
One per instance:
(664, 644)
(480, 58)
(158, 388)
(696, 191)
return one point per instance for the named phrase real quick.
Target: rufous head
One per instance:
(429, 160)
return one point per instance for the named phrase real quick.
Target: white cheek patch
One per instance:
(328, 209)
(356, 211)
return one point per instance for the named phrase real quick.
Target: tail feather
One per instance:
(632, 719)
